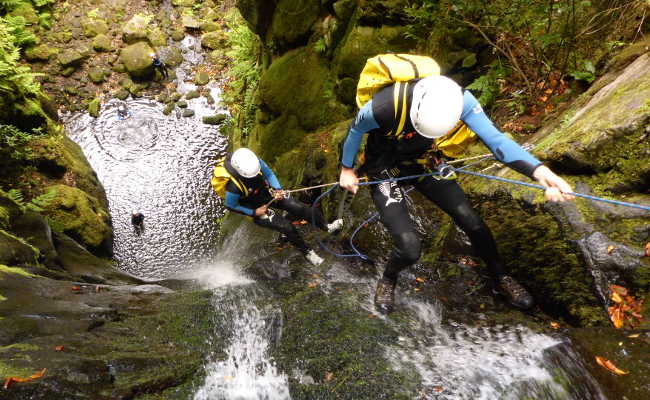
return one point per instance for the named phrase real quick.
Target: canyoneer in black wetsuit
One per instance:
(401, 142)
(252, 189)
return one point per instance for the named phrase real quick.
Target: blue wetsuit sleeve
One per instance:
(232, 202)
(270, 176)
(363, 123)
(504, 149)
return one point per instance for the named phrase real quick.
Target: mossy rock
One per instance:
(201, 78)
(182, 104)
(118, 67)
(169, 108)
(172, 56)
(102, 43)
(81, 217)
(63, 36)
(343, 9)
(93, 27)
(178, 35)
(40, 53)
(96, 74)
(293, 20)
(71, 58)
(258, 14)
(209, 26)
(135, 29)
(15, 251)
(192, 94)
(157, 37)
(68, 71)
(122, 94)
(214, 119)
(183, 3)
(188, 113)
(190, 22)
(137, 60)
(299, 83)
(93, 107)
(214, 40)
(364, 42)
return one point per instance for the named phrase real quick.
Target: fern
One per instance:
(16, 26)
(42, 3)
(16, 196)
(4, 217)
(45, 20)
(9, 5)
(41, 202)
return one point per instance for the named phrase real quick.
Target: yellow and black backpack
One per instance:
(387, 69)
(221, 177)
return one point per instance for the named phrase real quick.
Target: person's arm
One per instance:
(363, 123)
(232, 203)
(270, 176)
(510, 153)
(504, 149)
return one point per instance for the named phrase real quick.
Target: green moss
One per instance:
(2, 298)
(12, 270)
(7, 371)
(19, 346)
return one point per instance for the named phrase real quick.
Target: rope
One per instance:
(536, 186)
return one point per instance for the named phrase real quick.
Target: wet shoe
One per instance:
(335, 226)
(313, 258)
(385, 296)
(515, 293)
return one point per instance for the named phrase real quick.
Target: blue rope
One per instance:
(357, 253)
(536, 186)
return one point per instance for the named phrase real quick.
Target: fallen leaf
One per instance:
(610, 366)
(419, 280)
(9, 381)
(437, 389)
(634, 336)
(329, 376)
(59, 348)
(610, 248)
(75, 288)
(417, 289)
(372, 316)
(555, 325)
(647, 249)
(618, 289)
(616, 298)
(312, 284)
(301, 222)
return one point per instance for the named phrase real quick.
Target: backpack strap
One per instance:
(400, 95)
(234, 178)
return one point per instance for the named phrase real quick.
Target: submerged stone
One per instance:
(214, 119)
(93, 107)
(188, 113)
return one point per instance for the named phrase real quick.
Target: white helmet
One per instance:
(436, 107)
(245, 162)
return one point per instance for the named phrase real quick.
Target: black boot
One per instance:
(385, 296)
(516, 294)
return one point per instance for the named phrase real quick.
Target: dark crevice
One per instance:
(570, 166)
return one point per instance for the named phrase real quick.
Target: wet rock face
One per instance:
(137, 59)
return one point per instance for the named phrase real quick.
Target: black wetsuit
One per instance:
(259, 195)
(389, 156)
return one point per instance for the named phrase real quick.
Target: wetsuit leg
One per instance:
(449, 196)
(280, 224)
(393, 210)
(301, 210)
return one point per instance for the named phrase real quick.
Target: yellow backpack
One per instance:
(221, 177)
(385, 69)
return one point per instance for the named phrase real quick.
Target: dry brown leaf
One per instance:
(59, 348)
(419, 280)
(312, 284)
(647, 249)
(75, 288)
(555, 325)
(437, 389)
(610, 248)
(301, 222)
(610, 366)
(616, 298)
(417, 289)
(329, 376)
(618, 289)
(634, 336)
(9, 381)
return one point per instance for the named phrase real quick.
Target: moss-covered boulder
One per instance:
(364, 42)
(214, 40)
(93, 26)
(293, 20)
(190, 22)
(137, 60)
(82, 217)
(258, 14)
(102, 43)
(96, 74)
(299, 84)
(71, 58)
(209, 26)
(135, 29)
(172, 56)
(157, 37)
(15, 251)
(93, 107)
(214, 119)
(41, 52)
(201, 77)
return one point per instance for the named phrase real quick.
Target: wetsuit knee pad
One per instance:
(468, 219)
(408, 247)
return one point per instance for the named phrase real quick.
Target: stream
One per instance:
(161, 166)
